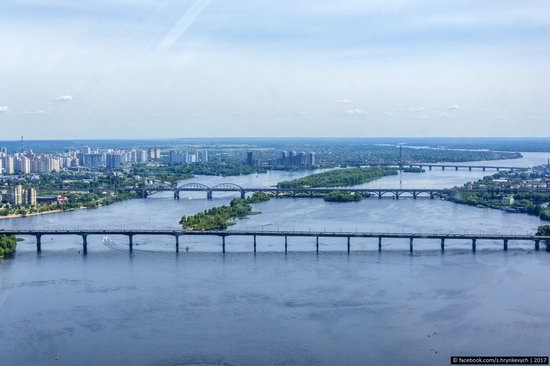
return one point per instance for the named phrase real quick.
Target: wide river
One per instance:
(202, 308)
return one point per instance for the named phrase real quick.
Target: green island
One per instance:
(340, 196)
(544, 230)
(493, 195)
(219, 218)
(413, 170)
(8, 243)
(339, 178)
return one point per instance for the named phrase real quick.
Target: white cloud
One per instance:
(390, 114)
(444, 114)
(34, 112)
(356, 112)
(423, 116)
(454, 107)
(344, 101)
(416, 109)
(65, 98)
(4, 109)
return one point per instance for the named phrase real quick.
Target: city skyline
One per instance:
(147, 69)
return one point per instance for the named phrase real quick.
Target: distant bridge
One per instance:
(473, 238)
(456, 167)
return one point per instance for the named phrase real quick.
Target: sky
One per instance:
(78, 69)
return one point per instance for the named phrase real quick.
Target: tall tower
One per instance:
(21, 145)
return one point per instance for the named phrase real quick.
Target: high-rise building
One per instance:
(250, 159)
(31, 197)
(16, 195)
(1, 166)
(141, 156)
(9, 165)
(114, 161)
(92, 160)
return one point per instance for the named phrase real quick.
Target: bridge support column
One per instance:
(379, 243)
(286, 244)
(498, 169)
(474, 245)
(442, 244)
(430, 167)
(38, 243)
(254, 244)
(443, 168)
(176, 195)
(349, 246)
(483, 168)
(505, 246)
(209, 195)
(223, 244)
(432, 196)
(537, 244)
(131, 242)
(243, 194)
(396, 195)
(379, 195)
(317, 245)
(470, 168)
(85, 244)
(144, 193)
(415, 195)
(456, 168)
(177, 243)
(411, 245)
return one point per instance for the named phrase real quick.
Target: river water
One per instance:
(390, 308)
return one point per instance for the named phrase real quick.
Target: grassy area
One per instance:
(339, 178)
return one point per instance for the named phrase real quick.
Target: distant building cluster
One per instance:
(291, 158)
(28, 162)
(186, 157)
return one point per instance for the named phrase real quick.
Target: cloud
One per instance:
(65, 98)
(422, 116)
(4, 109)
(390, 114)
(344, 101)
(416, 109)
(356, 112)
(454, 107)
(34, 112)
(444, 114)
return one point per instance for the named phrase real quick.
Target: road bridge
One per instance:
(456, 167)
(177, 234)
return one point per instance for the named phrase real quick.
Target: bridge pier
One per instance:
(310, 194)
(254, 244)
(505, 245)
(286, 244)
(474, 245)
(176, 195)
(396, 195)
(498, 169)
(442, 244)
(317, 245)
(349, 246)
(38, 243)
(432, 196)
(456, 168)
(537, 244)
(177, 243)
(430, 167)
(85, 244)
(379, 243)
(144, 193)
(223, 244)
(443, 168)
(470, 168)
(209, 195)
(243, 194)
(411, 245)
(131, 242)
(483, 168)
(415, 195)
(380, 195)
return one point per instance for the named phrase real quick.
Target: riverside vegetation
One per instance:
(219, 218)
(339, 178)
(340, 196)
(8, 243)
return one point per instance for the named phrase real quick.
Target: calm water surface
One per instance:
(391, 308)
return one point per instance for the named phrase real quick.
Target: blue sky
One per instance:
(200, 68)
